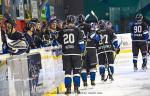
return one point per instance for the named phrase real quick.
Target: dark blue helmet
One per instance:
(101, 24)
(53, 19)
(59, 21)
(81, 18)
(139, 17)
(36, 20)
(10, 20)
(30, 24)
(108, 24)
(70, 19)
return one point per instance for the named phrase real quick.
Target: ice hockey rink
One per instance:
(126, 81)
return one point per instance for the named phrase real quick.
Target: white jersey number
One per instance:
(68, 38)
(137, 29)
(104, 40)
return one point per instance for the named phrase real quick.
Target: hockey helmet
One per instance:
(139, 17)
(70, 19)
(81, 18)
(10, 21)
(108, 25)
(36, 20)
(30, 24)
(102, 24)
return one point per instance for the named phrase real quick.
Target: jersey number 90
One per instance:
(68, 38)
(137, 29)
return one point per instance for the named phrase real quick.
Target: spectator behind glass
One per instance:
(29, 34)
(59, 25)
(51, 34)
(13, 41)
(38, 34)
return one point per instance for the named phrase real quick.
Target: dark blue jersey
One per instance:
(86, 29)
(139, 31)
(71, 38)
(108, 41)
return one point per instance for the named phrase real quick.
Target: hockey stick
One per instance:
(108, 67)
(92, 12)
(87, 16)
(119, 47)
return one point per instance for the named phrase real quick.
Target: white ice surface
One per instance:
(126, 83)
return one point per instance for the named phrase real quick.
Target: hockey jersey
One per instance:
(71, 38)
(139, 31)
(108, 41)
(86, 29)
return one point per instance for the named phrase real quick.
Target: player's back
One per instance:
(137, 31)
(106, 43)
(70, 38)
(86, 29)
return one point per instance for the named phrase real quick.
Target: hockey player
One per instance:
(105, 49)
(108, 25)
(29, 33)
(89, 58)
(38, 34)
(59, 25)
(72, 42)
(139, 35)
(13, 41)
(51, 34)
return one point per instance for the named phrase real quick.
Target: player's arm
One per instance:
(145, 31)
(132, 31)
(115, 43)
(96, 37)
(81, 41)
(94, 34)
(59, 39)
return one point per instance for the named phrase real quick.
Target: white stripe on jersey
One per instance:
(115, 40)
(92, 35)
(76, 75)
(90, 47)
(81, 42)
(145, 32)
(72, 54)
(67, 75)
(139, 40)
(104, 52)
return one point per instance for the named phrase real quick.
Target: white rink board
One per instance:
(126, 41)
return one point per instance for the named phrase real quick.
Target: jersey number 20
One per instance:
(68, 38)
(137, 29)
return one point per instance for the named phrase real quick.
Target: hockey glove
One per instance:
(146, 35)
(82, 46)
(117, 50)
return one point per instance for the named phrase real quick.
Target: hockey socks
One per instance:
(92, 74)
(102, 69)
(135, 59)
(84, 75)
(68, 81)
(76, 80)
